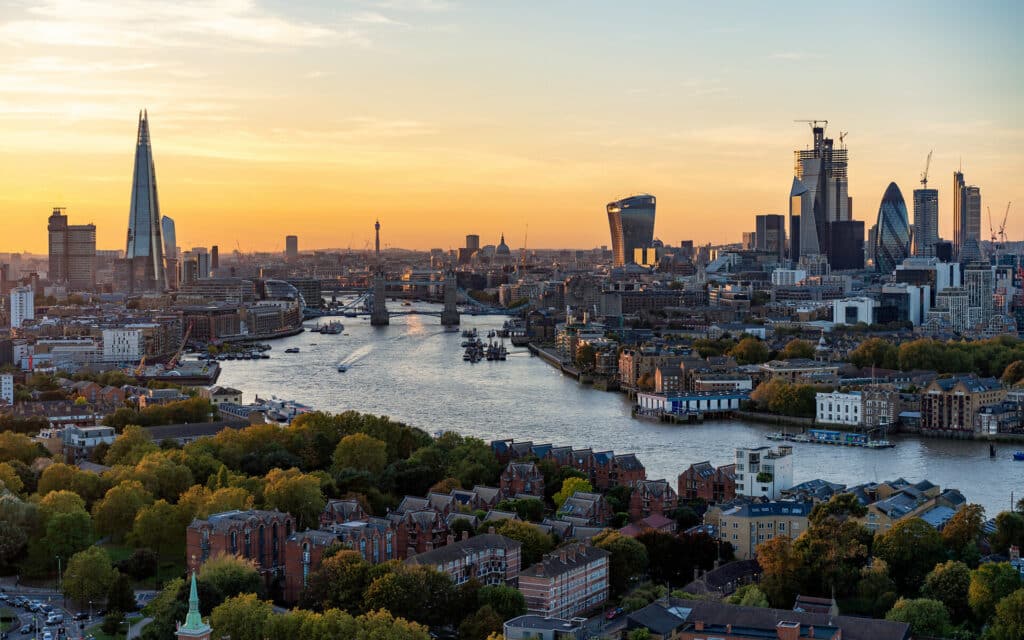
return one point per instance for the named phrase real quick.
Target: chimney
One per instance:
(811, 632)
(786, 630)
(698, 625)
(465, 535)
(450, 538)
(561, 555)
(490, 529)
(728, 628)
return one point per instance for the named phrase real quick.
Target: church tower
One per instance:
(194, 627)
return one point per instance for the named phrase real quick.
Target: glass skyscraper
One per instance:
(632, 225)
(145, 250)
(892, 240)
(926, 221)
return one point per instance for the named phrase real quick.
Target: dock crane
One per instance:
(927, 165)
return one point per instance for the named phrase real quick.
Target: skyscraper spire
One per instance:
(145, 250)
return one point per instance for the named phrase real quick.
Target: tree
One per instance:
(163, 476)
(535, 542)
(948, 583)
(569, 487)
(1008, 623)
(89, 575)
(1009, 531)
(121, 596)
(360, 451)
(339, 583)
(67, 534)
(241, 618)
(961, 533)
(115, 513)
(925, 617)
(18, 446)
(586, 356)
(628, 559)
(990, 583)
(640, 634)
(480, 624)
(797, 348)
(876, 591)
(9, 479)
(782, 571)
(1013, 373)
(231, 576)
(750, 350)
(835, 546)
(529, 509)
(911, 548)
(130, 447)
(749, 596)
(875, 352)
(296, 493)
(158, 526)
(112, 622)
(418, 593)
(508, 602)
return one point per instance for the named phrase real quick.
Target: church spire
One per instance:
(194, 626)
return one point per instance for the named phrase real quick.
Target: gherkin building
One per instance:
(892, 241)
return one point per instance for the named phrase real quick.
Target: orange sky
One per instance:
(445, 118)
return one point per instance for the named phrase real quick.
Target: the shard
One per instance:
(145, 249)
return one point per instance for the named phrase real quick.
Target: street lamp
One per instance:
(59, 581)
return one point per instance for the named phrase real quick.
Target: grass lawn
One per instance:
(100, 635)
(6, 612)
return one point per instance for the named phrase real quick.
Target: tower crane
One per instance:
(924, 176)
(842, 137)
(1002, 227)
(991, 229)
(814, 123)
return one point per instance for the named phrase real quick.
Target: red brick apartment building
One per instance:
(705, 482)
(256, 535)
(567, 582)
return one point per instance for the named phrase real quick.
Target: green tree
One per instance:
(925, 617)
(569, 487)
(627, 561)
(586, 356)
(89, 575)
(241, 618)
(990, 583)
(508, 602)
(835, 546)
(130, 447)
(750, 350)
(875, 352)
(535, 542)
(66, 535)
(296, 493)
(115, 513)
(9, 479)
(911, 548)
(421, 594)
(159, 527)
(1009, 532)
(797, 348)
(480, 624)
(360, 451)
(876, 591)
(529, 509)
(18, 446)
(640, 634)
(962, 532)
(948, 583)
(121, 596)
(1013, 373)
(339, 583)
(1008, 623)
(163, 476)
(782, 571)
(749, 596)
(230, 576)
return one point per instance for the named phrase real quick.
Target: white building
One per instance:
(82, 440)
(840, 408)
(23, 306)
(853, 310)
(122, 345)
(782, 277)
(763, 471)
(912, 300)
(7, 388)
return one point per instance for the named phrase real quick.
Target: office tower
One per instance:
(823, 192)
(57, 228)
(749, 240)
(291, 247)
(770, 234)
(926, 221)
(199, 262)
(970, 223)
(72, 252)
(892, 239)
(171, 258)
(145, 250)
(214, 258)
(23, 306)
(847, 242)
(473, 242)
(958, 186)
(632, 225)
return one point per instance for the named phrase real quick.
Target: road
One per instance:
(73, 629)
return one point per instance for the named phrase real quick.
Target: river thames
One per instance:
(413, 372)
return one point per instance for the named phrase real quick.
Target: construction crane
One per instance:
(142, 367)
(173, 362)
(842, 137)
(1002, 227)
(814, 123)
(991, 229)
(924, 176)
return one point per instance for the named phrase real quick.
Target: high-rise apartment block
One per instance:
(23, 306)
(72, 252)
(632, 226)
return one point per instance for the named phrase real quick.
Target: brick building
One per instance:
(522, 478)
(567, 582)
(704, 482)
(488, 558)
(950, 406)
(256, 535)
(652, 497)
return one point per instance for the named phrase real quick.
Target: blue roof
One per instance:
(938, 516)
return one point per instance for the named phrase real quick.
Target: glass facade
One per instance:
(145, 242)
(632, 226)
(892, 240)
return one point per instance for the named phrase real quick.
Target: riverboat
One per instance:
(1018, 456)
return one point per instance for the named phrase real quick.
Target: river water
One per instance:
(414, 372)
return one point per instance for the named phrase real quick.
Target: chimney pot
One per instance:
(450, 538)
(490, 529)
(465, 535)
(698, 625)
(728, 628)
(811, 630)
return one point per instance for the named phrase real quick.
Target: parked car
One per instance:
(614, 613)
(82, 615)
(55, 618)
(25, 630)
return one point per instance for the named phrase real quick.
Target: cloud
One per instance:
(375, 18)
(794, 55)
(166, 23)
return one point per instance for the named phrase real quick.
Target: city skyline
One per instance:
(523, 132)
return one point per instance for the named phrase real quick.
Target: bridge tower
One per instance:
(378, 308)
(450, 313)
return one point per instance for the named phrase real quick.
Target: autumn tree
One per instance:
(797, 348)
(948, 583)
(570, 486)
(360, 451)
(159, 527)
(750, 350)
(535, 543)
(962, 532)
(339, 583)
(115, 513)
(782, 571)
(89, 575)
(130, 447)
(241, 618)
(990, 583)
(1008, 622)
(296, 493)
(18, 446)
(230, 576)
(627, 560)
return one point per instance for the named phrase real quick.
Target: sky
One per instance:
(442, 118)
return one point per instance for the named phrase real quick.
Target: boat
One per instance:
(350, 314)
(342, 368)
(331, 328)
(776, 436)
(451, 329)
(991, 450)
(1018, 456)
(879, 444)
(292, 350)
